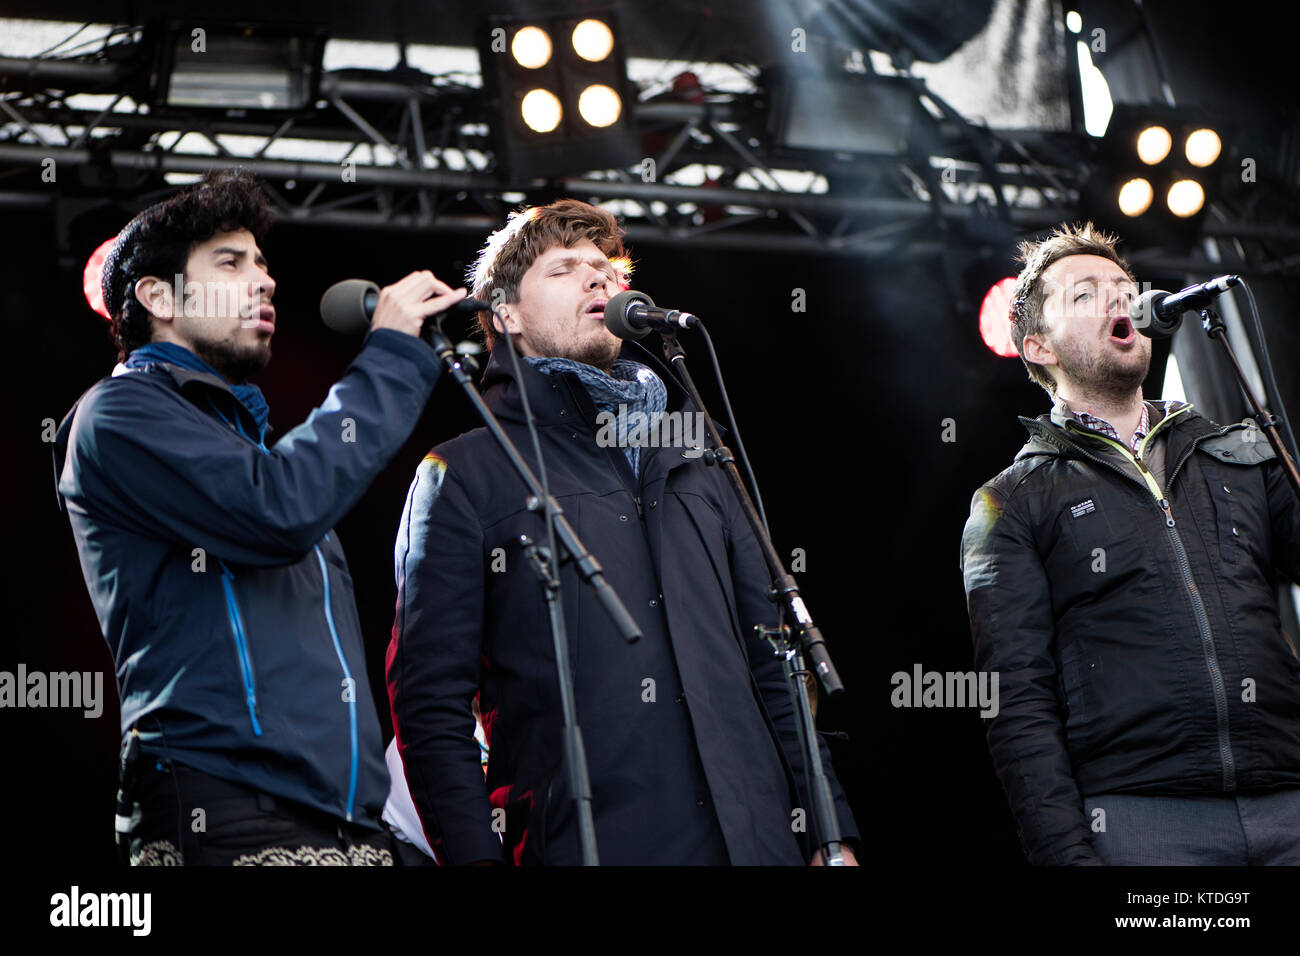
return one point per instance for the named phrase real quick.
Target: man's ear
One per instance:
(156, 296)
(1035, 349)
(504, 313)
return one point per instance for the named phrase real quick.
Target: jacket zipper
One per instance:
(347, 675)
(1189, 584)
(241, 647)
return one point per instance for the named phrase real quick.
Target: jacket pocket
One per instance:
(1227, 517)
(241, 647)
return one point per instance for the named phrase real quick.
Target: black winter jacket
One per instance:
(220, 588)
(687, 731)
(1135, 629)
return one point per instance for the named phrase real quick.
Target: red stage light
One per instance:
(995, 318)
(90, 278)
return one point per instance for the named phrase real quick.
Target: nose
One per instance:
(265, 286)
(599, 278)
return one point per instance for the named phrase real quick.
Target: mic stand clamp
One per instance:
(1213, 325)
(789, 643)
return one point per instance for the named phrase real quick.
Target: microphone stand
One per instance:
(1213, 325)
(545, 565)
(789, 642)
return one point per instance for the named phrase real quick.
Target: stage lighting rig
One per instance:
(1157, 169)
(558, 88)
(234, 67)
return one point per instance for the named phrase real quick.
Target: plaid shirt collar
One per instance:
(1061, 412)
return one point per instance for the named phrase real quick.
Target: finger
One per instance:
(440, 303)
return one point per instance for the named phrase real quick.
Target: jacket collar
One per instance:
(194, 385)
(1184, 424)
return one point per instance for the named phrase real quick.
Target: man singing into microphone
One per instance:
(250, 734)
(1120, 580)
(689, 732)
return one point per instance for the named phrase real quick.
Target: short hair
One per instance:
(1029, 293)
(159, 240)
(510, 251)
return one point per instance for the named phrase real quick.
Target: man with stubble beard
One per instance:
(249, 731)
(689, 731)
(1120, 580)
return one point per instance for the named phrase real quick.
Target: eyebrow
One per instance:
(238, 254)
(572, 259)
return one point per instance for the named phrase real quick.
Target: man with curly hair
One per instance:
(1120, 578)
(250, 735)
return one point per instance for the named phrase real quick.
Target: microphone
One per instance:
(633, 315)
(348, 306)
(1157, 314)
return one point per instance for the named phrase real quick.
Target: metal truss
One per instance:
(405, 150)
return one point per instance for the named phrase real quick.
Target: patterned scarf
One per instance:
(629, 384)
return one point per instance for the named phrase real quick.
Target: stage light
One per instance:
(995, 318)
(592, 40)
(1135, 197)
(1186, 198)
(1153, 144)
(1203, 147)
(1146, 183)
(564, 109)
(599, 105)
(531, 48)
(541, 110)
(234, 67)
(842, 112)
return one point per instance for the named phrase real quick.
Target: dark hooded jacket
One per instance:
(689, 732)
(1134, 623)
(219, 585)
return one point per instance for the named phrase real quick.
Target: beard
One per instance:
(598, 352)
(1102, 375)
(235, 362)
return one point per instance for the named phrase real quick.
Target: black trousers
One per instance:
(185, 817)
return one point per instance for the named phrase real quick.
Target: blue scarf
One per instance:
(628, 383)
(250, 396)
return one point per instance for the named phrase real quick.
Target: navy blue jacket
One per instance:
(219, 585)
(689, 732)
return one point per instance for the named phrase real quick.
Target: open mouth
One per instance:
(1121, 329)
(597, 307)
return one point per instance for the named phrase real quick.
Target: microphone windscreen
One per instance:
(343, 306)
(616, 314)
(1142, 313)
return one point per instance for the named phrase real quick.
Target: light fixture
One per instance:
(592, 40)
(531, 48)
(562, 94)
(1135, 197)
(1203, 147)
(235, 67)
(599, 105)
(1186, 198)
(541, 110)
(1153, 145)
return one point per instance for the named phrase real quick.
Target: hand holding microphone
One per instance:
(354, 306)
